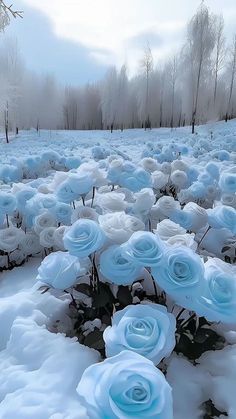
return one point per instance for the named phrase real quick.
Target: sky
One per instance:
(79, 39)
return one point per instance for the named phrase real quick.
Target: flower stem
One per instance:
(94, 189)
(203, 237)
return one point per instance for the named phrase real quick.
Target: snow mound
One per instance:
(39, 369)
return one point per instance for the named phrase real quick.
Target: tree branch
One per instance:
(10, 11)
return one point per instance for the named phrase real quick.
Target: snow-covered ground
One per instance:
(40, 366)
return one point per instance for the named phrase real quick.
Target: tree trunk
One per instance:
(6, 117)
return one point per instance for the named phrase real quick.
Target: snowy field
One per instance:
(46, 179)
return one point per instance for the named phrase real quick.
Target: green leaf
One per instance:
(211, 411)
(103, 297)
(95, 340)
(124, 296)
(84, 289)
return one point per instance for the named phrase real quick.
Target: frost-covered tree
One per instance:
(109, 99)
(219, 51)
(200, 44)
(122, 98)
(192, 87)
(146, 65)
(232, 69)
(6, 12)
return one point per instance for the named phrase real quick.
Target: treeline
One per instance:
(196, 85)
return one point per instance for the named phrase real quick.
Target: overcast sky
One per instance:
(78, 39)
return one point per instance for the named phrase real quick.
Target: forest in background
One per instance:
(195, 85)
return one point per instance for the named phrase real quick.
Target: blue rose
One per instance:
(218, 299)
(72, 162)
(83, 238)
(213, 169)
(23, 196)
(62, 212)
(126, 386)
(197, 190)
(180, 273)
(116, 268)
(81, 183)
(65, 193)
(222, 217)
(227, 182)
(183, 218)
(7, 203)
(147, 329)
(136, 180)
(59, 270)
(144, 248)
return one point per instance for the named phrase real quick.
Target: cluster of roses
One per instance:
(35, 215)
(128, 382)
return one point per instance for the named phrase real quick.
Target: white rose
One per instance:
(179, 179)
(144, 200)
(167, 229)
(150, 165)
(84, 212)
(167, 204)
(166, 168)
(183, 240)
(179, 165)
(199, 216)
(30, 244)
(10, 238)
(59, 178)
(58, 237)
(43, 221)
(111, 201)
(46, 237)
(119, 226)
(92, 169)
(159, 179)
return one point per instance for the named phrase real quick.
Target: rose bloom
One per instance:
(59, 270)
(10, 238)
(111, 201)
(180, 273)
(144, 200)
(167, 204)
(119, 226)
(126, 386)
(83, 212)
(149, 164)
(116, 268)
(159, 179)
(83, 238)
(217, 301)
(144, 248)
(147, 329)
(46, 238)
(167, 229)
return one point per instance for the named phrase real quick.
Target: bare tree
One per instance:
(201, 42)
(6, 12)
(147, 66)
(219, 51)
(173, 78)
(232, 65)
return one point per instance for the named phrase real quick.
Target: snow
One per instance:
(40, 370)
(40, 366)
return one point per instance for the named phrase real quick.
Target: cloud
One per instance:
(44, 52)
(141, 39)
(83, 37)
